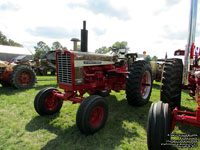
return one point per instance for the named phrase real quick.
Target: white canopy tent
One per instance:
(9, 52)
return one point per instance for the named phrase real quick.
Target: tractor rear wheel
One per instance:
(45, 104)
(158, 126)
(139, 83)
(23, 77)
(92, 114)
(172, 83)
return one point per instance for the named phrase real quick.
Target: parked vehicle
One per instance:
(164, 114)
(80, 72)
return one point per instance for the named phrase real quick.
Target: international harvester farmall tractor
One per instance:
(164, 114)
(17, 73)
(80, 72)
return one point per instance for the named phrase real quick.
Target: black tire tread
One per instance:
(133, 83)
(172, 82)
(158, 126)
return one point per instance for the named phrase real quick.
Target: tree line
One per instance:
(42, 48)
(121, 45)
(149, 58)
(116, 45)
(8, 42)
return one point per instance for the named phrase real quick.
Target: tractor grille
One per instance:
(64, 68)
(2, 70)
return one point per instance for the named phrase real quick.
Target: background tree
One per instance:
(9, 42)
(65, 47)
(148, 58)
(3, 39)
(154, 58)
(102, 50)
(120, 45)
(117, 45)
(56, 46)
(40, 49)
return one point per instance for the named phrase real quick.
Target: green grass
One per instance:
(22, 128)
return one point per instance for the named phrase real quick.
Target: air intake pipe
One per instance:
(84, 38)
(191, 40)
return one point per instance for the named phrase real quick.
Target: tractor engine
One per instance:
(91, 72)
(83, 70)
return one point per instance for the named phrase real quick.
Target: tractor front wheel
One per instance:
(45, 103)
(158, 126)
(92, 114)
(139, 83)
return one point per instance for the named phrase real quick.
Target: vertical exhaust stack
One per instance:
(191, 40)
(84, 38)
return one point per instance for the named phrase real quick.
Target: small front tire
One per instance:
(45, 104)
(92, 114)
(158, 126)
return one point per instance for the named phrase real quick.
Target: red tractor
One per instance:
(80, 72)
(17, 73)
(164, 114)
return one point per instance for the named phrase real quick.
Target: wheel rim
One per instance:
(24, 78)
(96, 116)
(50, 103)
(146, 84)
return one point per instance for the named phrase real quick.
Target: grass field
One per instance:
(22, 128)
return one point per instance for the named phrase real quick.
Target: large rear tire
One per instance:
(139, 83)
(92, 114)
(158, 126)
(23, 77)
(172, 83)
(45, 104)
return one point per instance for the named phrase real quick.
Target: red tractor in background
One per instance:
(164, 114)
(80, 72)
(17, 73)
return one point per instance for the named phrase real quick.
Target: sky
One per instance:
(154, 26)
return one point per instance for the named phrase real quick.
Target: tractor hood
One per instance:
(92, 59)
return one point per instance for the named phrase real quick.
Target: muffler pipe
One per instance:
(84, 38)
